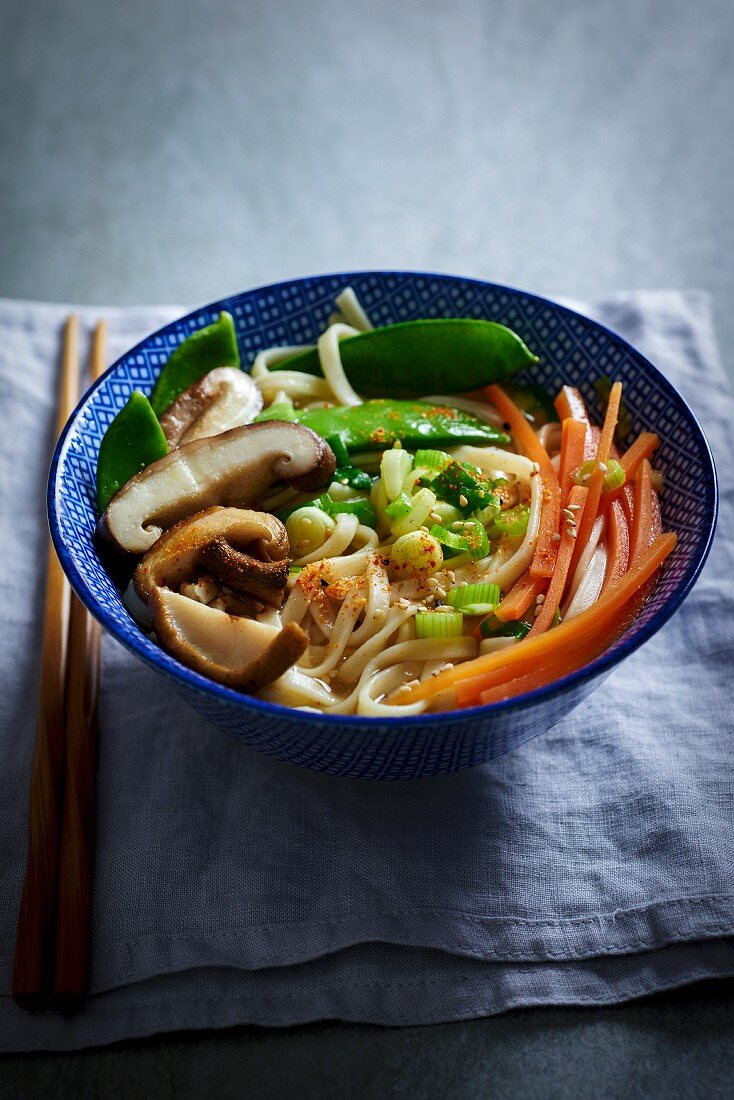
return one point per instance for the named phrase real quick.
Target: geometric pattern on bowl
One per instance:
(573, 349)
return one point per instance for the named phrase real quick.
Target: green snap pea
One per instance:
(213, 346)
(446, 355)
(376, 425)
(133, 440)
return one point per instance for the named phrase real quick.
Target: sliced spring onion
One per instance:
(496, 628)
(294, 570)
(476, 536)
(435, 460)
(421, 507)
(354, 478)
(280, 411)
(613, 478)
(475, 599)
(465, 487)
(582, 475)
(341, 454)
(308, 528)
(444, 514)
(359, 507)
(439, 624)
(399, 507)
(395, 466)
(416, 552)
(486, 516)
(512, 523)
(450, 539)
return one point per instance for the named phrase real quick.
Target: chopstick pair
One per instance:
(51, 964)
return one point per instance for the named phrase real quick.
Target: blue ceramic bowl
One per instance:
(573, 349)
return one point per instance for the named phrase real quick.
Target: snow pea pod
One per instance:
(133, 440)
(213, 346)
(376, 425)
(447, 355)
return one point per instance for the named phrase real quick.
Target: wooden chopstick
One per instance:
(52, 942)
(76, 845)
(35, 941)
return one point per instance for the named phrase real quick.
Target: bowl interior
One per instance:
(573, 349)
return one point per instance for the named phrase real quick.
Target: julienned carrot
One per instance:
(517, 660)
(618, 544)
(576, 651)
(545, 550)
(573, 442)
(656, 527)
(571, 405)
(642, 522)
(554, 595)
(597, 478)
(569, 658)
(643, 447)
(522, 594)
(627, 500)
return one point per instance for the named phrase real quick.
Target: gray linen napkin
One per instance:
(594, 864)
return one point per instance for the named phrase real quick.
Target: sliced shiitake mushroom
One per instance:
(234, 468)
(179, 552)
(239, 653)
(224, 398)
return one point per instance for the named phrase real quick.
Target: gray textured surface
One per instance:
(176, 152)
(152, 151)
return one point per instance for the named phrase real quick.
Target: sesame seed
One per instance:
(452, 576)
(379, 613)
(572, 532)
(574, 507)
(402, 602)
(435, 517)
(538, 609)
(603, 467)
(447, 667)
(458, 524)
(568, 513)
(540, 598)
(463, 501)
(412, 683)
(555, 537)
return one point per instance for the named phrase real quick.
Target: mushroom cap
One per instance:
(176, 555)
(245, 573)
(234, 468)
(224, 398)
(240, 653)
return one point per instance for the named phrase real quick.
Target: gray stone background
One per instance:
(161, 151)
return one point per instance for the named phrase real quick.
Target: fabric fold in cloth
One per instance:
(594, 864)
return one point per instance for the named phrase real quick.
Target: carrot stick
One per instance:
(570, 405)
(571, 657)
(583, 627)
(627, 500)
(545, 550)
(522, 594)
(642, 521)
(597, 478)
(618, 543)
(643, 447)
(554, 595)
(573, 441)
